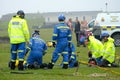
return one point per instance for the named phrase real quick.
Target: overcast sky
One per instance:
(31, 6)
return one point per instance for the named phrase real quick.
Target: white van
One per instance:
(106, 22)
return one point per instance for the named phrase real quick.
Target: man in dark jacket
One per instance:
(77, 31)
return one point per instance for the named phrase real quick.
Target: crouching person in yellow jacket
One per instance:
(109, 52)
(95, 52)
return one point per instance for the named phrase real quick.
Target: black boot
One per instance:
(30, 66)
(76, 64)
(65, 66)
(50, 66)
(12, 65)
(20, 65)
(43, 65)
(36, 65)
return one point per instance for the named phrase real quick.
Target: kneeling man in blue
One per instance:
(38, 47)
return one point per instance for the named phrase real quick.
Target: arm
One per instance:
(9, 29)
(69, 36)
(26, 31)
(55, 34)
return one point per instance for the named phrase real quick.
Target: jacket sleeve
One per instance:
(26, 31)
(9, 29)
(69, 35)
(31, 43)
(55, 34)
(45, 46)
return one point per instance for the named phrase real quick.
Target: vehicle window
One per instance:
(91, 24)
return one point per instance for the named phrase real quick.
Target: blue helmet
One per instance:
(61, 17)
(105, 35)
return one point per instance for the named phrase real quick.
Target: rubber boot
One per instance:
(20, 65)
(36, 65)
(30, 66)
(50, 66)
(65, 66)
(43, 65)
(12, 65)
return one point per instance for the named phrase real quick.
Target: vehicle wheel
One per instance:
(116, 37)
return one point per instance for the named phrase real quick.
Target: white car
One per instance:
(106, 22)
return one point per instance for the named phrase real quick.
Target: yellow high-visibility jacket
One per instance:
(18, 30)
(96, 47)
(109, 50)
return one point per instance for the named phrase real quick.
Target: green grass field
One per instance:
(84, 72)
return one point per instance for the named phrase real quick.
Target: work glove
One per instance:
(54, 44)
(101, 57)
(27, 51)
(44, 53)
(90, 54)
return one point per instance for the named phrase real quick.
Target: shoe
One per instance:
(65, 66)
(20, 66)
(50, 66)
(11, 65)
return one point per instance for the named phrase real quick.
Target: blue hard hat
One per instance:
(61, 17)
(105, 35)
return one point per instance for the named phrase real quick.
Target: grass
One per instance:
(84, 72)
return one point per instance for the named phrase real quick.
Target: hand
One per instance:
(27, 42)
(101, 57)
(54, 44)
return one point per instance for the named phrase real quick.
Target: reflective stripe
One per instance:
(65, 52)
(70, 35)
(55, 35)
(63, 27)
(30, 43)
(110, 27)
(17, 36)
(65, 62)
(53, 63)
(73, 57)
(107, 52)
(17, 26)
(111, 57)
(21, 59)
(13, 60)
(69, 41)
(54, 41)
(14, 51)
(59, 54)
(73, 53)
(20, 50)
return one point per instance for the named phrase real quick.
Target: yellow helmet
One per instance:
(50, 44)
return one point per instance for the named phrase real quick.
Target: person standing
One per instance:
(70, 25)
(19, 36)
(77, 31)
(62, 35)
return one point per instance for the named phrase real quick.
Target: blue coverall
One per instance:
(38, 47)
(72, 55)
(62, 35)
